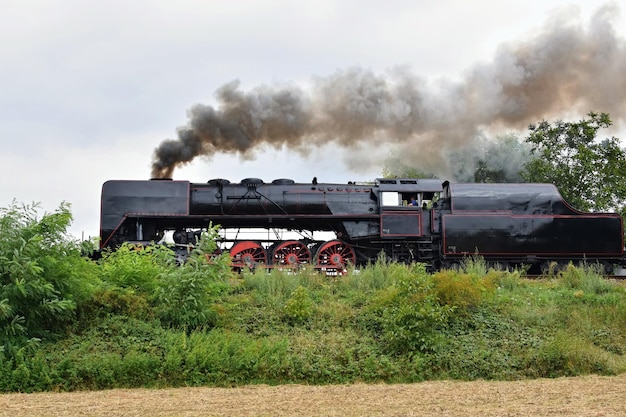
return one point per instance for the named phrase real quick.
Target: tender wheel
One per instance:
(291, 253)
(248, 254)
(335, 254)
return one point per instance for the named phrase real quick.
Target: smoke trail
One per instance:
(565, 69)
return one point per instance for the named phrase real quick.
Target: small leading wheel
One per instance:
(248, 253)
(335, 254)
(290, 253)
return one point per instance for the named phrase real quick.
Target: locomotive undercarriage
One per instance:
(331, 254)
(271, 248)
(403, 251)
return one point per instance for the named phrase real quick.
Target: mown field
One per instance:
(588, 396)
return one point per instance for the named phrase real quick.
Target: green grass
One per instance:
(384, 323)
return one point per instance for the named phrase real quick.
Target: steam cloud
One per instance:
(566, 69)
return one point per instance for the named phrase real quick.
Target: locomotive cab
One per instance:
(408, 192)
(404, 206)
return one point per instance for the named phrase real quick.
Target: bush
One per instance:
(136, 267)
(299, 307)
(118, 301)
(43, 277)
(186, 295)
(409, 316)
(465, 291)
(568, 354)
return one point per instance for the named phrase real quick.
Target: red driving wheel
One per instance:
(290, 253)
(335, 254)
(248, 254)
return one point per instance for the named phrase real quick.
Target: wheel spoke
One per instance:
(248, 254)
(335, 253)
(291, 253)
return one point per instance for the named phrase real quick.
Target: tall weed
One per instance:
(186, 296)
(375, 276)
(586, 277)
(272, 286)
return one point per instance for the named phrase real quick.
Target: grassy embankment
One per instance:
(149, 323)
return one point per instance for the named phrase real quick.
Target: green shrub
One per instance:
(185, 296)
(43, 277)
(118, 301)
(568, 354)
(409, 316)
(299, 307)
(136, 267)
(24, 368)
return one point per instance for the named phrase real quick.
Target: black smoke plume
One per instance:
(565, 69)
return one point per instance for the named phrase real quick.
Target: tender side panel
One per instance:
(501, 234)
(535, 199)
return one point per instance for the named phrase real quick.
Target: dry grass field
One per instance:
(584, 396)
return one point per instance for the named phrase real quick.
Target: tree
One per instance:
(502, 160)
(398, 170)
(589, 172)
(481, 159)
(43, 277)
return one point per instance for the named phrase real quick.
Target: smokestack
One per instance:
(565, 69)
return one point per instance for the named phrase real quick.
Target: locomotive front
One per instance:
(360, 223)
(149, 211)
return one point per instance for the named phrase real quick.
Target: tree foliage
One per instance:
(180, 294)
(588, 171)
(43, 277)
(186, 295)
(397, 170)
(502, 161)
(482, 159)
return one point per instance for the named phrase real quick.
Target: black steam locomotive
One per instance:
(409, 220)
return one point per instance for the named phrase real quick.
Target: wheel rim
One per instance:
(291, 253)
(335, 254)
(248, 253)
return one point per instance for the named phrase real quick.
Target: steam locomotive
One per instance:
(512, 225)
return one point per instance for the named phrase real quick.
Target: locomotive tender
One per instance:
(508, 224)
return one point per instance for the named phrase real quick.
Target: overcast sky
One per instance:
(88, 90)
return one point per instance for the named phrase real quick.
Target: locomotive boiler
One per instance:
(406, 219)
